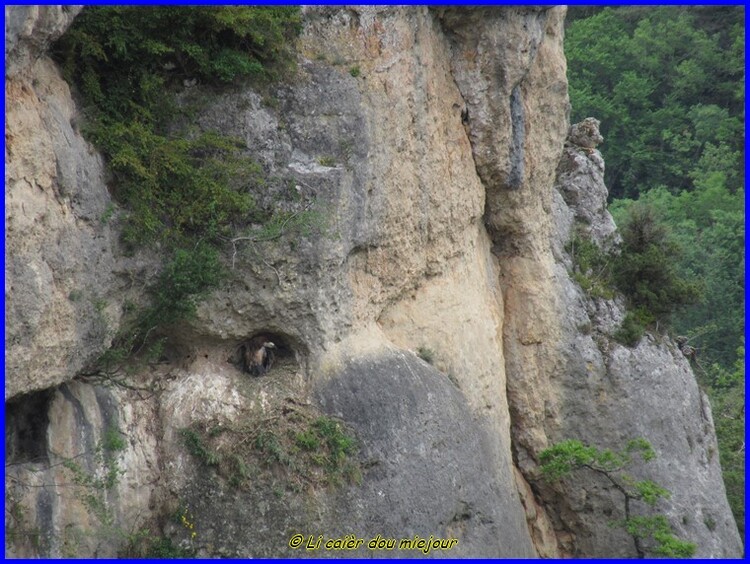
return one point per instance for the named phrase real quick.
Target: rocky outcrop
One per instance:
(433, 166)
(29, 31)
(603, 393)
(63, 281)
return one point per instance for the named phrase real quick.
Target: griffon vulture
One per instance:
(257, 355)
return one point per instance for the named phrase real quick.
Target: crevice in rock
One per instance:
(26, 423)
(518, 136)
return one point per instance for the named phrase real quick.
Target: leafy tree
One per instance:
(707, 225)
(667, 84)
(651, 534)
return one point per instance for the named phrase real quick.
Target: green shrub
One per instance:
(633, 327)
(127, 63)
(426, 354)
(189, 275)
(164, 548)
(646, 269)
(196, 446)
(113, 440)
(123, 57)
(307, 440)
(299, 445)
(177, 189)
(182, 190)
(340, 445)
(354, 71)
(592, 267)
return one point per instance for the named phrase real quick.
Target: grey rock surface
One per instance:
(429, 469)
(449, 196)
(605, 394)
(580, 181)
(29, 31)
(413, 421)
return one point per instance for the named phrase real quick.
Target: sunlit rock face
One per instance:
(433, 317)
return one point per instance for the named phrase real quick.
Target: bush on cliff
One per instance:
(127, 63)
(183, 190)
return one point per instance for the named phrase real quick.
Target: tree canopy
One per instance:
(667, 84)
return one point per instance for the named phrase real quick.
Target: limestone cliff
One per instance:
(447, 217)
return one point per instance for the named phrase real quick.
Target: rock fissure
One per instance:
(518, 136)
(435, 321)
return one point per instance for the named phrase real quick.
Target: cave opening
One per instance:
(283, 351)
(26, 422)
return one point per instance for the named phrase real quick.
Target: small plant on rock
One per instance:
(305, 448)
(426, 354)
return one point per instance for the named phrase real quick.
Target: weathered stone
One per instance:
(29, 31)
(446, 233)
(588, 387)
(586, 133)
(61, 292)
(580, 180)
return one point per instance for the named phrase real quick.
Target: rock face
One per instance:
(605, 394)
(63, 283)
(435, 167)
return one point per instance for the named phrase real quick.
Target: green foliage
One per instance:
(650, 533)
(633, 327)
(562, 458)
(308, 440)
(123, 57)
(305, 450)
(189, 276)
(163, 547)
(112, 440)
(184, 190)
(426, 354)
(650, 492)
(354, 71)
(726, 390)
(339, 445)
(128, 62)
(592, 267)
(178, 189)
(185, 279)
(196, 447)
(92, 486)
(646, 271)
(643, 269)
(269, 444)
(668, 85)
(20, 533)
(658, 530)
(302, 223)
(707, 224)
(327, 161)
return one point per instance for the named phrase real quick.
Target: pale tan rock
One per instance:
(59, 275)
(446, 230)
